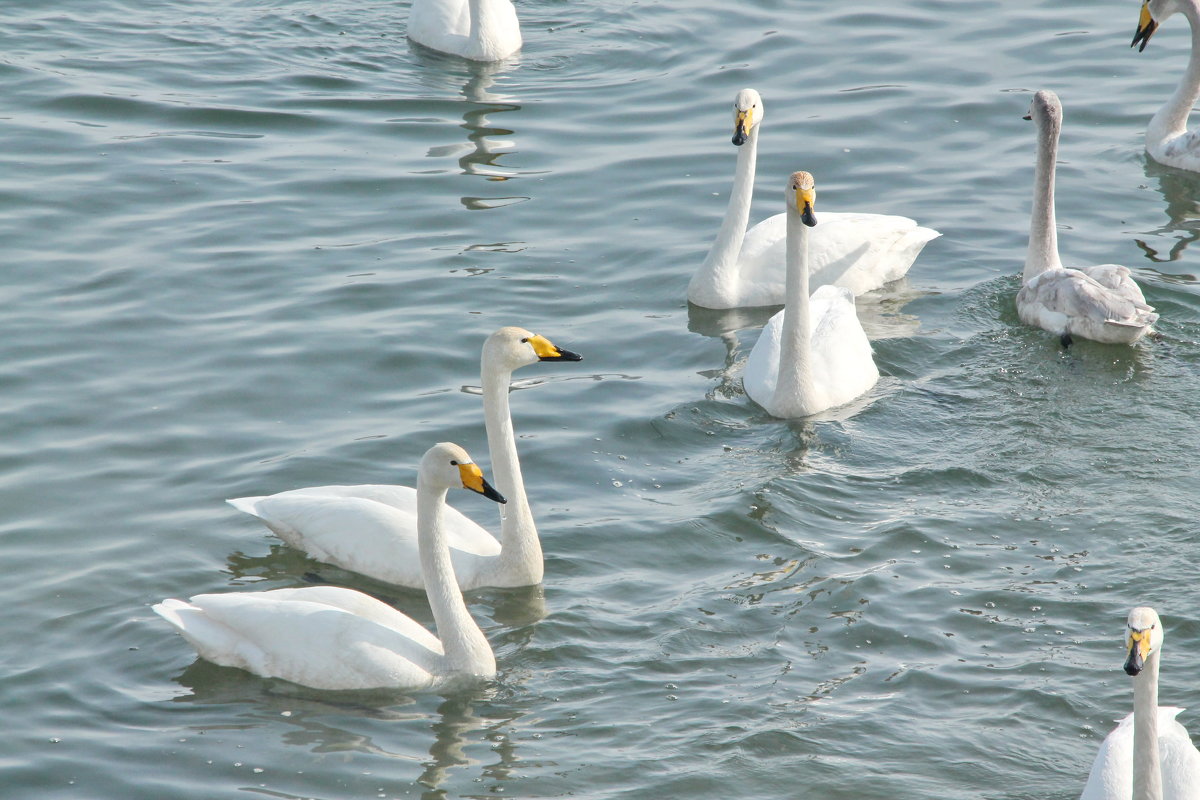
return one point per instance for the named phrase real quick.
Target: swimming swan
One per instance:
(332, 638)
(1102, 303)
(813, 354)
(1168, 140)
(481, 30)
(745, 267)
(372, 528)
(1148, 756)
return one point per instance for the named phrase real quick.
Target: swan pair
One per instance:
(395, 534)
(1102, 303)
(1168, 140)
(1148, 756)
(480, 30)
(860, 252)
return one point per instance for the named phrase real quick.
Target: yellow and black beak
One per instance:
(742, 121)
(805, 198)
(1147, 25)
(1138, 645)
(546, 351)
(472, 478)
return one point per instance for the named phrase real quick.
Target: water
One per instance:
(251, 246)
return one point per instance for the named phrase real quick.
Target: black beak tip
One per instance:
(1132, 670)
(808, 217)
(563, 355)
(490, 493)
(1027, 116)
(739, 137)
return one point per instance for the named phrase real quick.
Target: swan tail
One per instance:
(248, 505)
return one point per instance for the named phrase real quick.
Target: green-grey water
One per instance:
(253, 245)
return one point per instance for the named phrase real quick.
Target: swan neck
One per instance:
(1147, 766)
(1171, 120)
(1043, 233)
(520, 549)
(715, 283)
(795, 381)
(465, 647)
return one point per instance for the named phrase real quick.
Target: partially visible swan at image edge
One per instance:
(1101, 303)
(813, 354)
(1148, 756)
(372, 528)
(858, 251)
(481, 30)
(1168, 140)
(327, 637)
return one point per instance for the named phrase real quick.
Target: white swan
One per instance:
(332, 638)
(1148, 756)
(813, 354)
(481, 30)
(746, 267)
(1102, 303)
(1168, 140)
(372, 528)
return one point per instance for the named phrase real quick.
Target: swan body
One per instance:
(333, 638)
(1168, 141)
(1101, 303)
(858, 251)
(372, 529)
(480, 30)
(813, 354)
(1149, 755)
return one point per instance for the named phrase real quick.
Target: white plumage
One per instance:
(480, 30)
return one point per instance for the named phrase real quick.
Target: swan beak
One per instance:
(1138, 645)
(741, 126)
(546, 351)
(472, 478)
(1027, 116)
(804, 201)
(1145, 29)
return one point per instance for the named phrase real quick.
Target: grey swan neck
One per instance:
(1171, 120)
(794, 382)
(466, 650)
(1043, 234)
(715, 283)
(1147, 765)
(520, 561)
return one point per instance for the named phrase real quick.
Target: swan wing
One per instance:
(445, 25)
(1111, 776)
(860, 252)
(1072, 301)
(371, 529)
(309, 642)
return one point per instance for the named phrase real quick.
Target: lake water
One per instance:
(253, 245)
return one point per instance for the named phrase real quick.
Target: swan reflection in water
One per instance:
(486, 144)
(1180, 189)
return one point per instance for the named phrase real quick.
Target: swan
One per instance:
(328, 637)
(1148, 756)
(481, 30)
(745, 267)
(1168, 140)
(371, 528)
(813, 354)
(1102, 303)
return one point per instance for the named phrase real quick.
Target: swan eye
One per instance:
(525, 340)
(453, 463)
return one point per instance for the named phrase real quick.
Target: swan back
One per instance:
(480, 30)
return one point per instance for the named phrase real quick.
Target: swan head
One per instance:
(747, 113)
(514, 347)
(1045, 107)
(802, 196)
(1143, 638)
(1154, 12)
(447, 466)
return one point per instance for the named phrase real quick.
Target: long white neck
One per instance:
(794, 384)
(715, 283)
(1147, 767)
(1043, 234)
(1171, 120)
(520, 562)
(467, 651)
